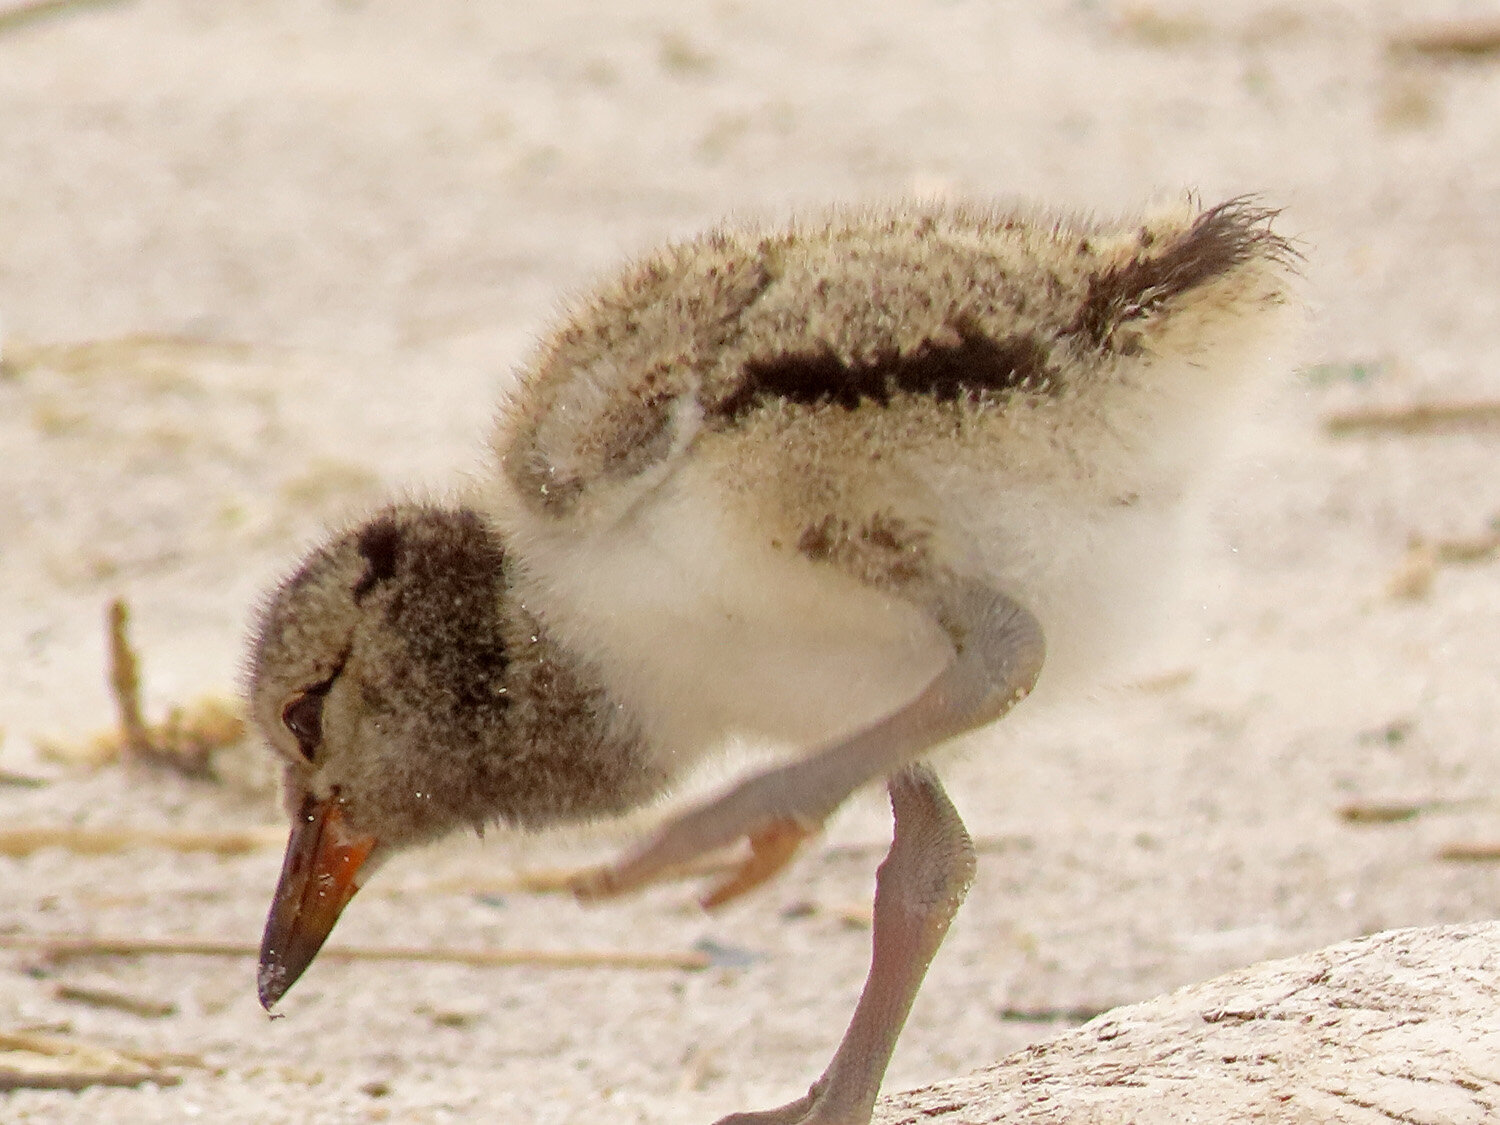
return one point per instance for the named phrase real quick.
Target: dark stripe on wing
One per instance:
(967, 364)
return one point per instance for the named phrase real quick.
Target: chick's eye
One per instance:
(303, 716)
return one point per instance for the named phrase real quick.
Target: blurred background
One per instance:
(261, 263)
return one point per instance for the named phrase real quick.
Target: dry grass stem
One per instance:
(1415, 574)
(125, 680)
(18, 13)
(142, 353)
(546, 881)
(855, 916)
(1416, 418)
(564, 880)
(1418, 569)
(1473, 39)
(60, 947)
(1471, 852)
(142, 1006)
(1374, 812)
(1169, 680)
(103, 841)
(1394, 812)
(1049, 1015)
(36, 1061)
(185, 742)
(1468, 549)
(551, 881)
(1149, 25)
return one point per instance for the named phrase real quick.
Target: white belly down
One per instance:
(705, 632)
(703, 629)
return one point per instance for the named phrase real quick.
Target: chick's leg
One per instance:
(998, 651)
(917, 891)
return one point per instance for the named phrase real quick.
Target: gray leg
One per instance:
(919, 887)
(998, 651)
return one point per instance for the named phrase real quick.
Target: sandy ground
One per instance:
(259, 262)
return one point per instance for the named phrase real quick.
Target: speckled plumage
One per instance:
(961, 306)
(840, 489)
(739, 399)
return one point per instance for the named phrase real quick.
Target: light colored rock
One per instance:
(1402, 1026)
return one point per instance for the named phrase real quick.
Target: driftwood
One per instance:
(1398, 1027)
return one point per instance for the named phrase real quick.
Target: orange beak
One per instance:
(325, 864)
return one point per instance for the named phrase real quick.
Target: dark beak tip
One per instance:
(271, 984)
